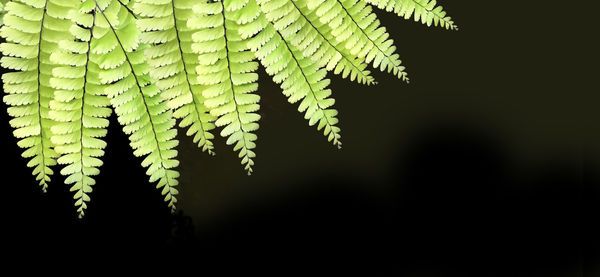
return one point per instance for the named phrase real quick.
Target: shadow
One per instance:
(451, 178)
(455, 206)
(473, 211)
(591, 202)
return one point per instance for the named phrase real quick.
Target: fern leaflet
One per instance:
(2, 11)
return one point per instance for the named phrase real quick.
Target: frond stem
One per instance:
(87, 60)
(39, 94)
(128, 9)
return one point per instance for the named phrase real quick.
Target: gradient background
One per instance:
(479, 167)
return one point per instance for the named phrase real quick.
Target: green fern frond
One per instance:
(301, 79)
(353, 23)
(164, 28)
(32, 31)
(302, 28)
(136, 101)
(80, 107)
(226, 68)
(425, 11)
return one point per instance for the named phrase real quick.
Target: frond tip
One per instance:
(301, 79)
(426, 11)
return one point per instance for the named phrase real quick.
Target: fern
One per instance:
(80, 107)
(227, 69)
(164, 28)
(301, 78)
(151, 62)
(134, 97)
(303, 29)
(425, 11)
(353, 24)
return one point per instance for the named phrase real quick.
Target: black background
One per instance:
(482, 166)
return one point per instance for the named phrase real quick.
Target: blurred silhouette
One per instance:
(455, 208)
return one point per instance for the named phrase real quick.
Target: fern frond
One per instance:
(426, 11)
(32, 31)
(164, 28)
(80, 107)
(302, 28)
(226, 68)
(353, 23)
(301, 79)
(136, 101)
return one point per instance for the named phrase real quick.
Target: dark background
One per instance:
(482, 166)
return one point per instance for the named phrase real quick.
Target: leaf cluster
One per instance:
(158, 62)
